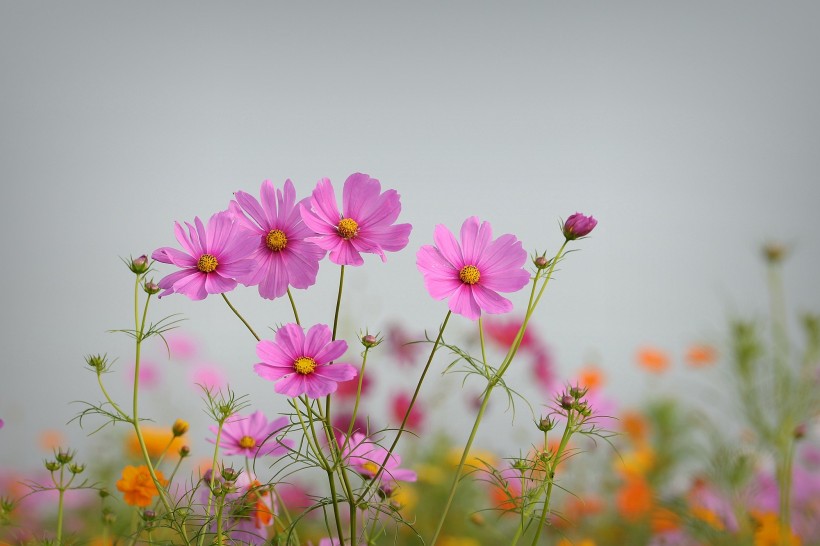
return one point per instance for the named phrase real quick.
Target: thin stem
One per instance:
(461, 462)
(356, 401)
(338, 301)
(293, 306)
(212, 481)
(245, 322)
(61, 491)
(570, 428)
(483, 349)
(379, 472)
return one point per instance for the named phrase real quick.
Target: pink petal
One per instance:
(291, 339)
(292, 385)
(270, 372)
(323, 203)
(317, 386)
(448, 247)
(474, 239)
(490, 301)
(343, 253)
(316, 338)
(463, 303)
(252, 208)
(336, 372)
(217, 284)
(359, 196)
(273, 354)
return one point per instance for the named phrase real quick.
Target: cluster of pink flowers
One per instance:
(277, 242)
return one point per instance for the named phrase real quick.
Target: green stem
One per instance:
(338, 301)
(61, 491)
(356, 401)
(379, 472)
(293, 306)
(235, 312)
(570, 428)
(212, 481)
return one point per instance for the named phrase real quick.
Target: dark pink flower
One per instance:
(578, 226)
(252, 435)
(301, 364)
(212, 259)
(401, 345)
(366, 223)
(283, 256)
(471, 274)
(398, 408)
(366, 457)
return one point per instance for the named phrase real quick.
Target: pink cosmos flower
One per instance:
(471, 274)
(209, 376)
(283, 256)
(212, 259)
(398, 408)
(366, 457)
(578, 225)
(366, 222)
(252, 435)
(301, 364)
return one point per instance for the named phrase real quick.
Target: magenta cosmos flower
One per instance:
(211, 260)
(578, 225)
(366, 222)
(283, 256)
(252, 435)
(366, 458)
(301, 364)
(471, 274)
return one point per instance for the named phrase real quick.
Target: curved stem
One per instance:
(235, 312)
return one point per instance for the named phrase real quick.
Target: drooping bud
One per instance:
(577, 226)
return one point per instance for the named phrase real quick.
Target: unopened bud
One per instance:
(541, 262)
(63, 457)
(567, 401)
(229, 474)
(76, 468)
(545, 424)
(184, 451)
(179, 427)
(51, 466)
(149, 515)
(370, 341)
(103, 492)
(150, 287)
(800, 431)
(477, 519)
(774, 252)
(139, 265)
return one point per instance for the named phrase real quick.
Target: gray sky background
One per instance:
(689, 129)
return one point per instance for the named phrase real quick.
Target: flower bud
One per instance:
(103, 492)
(76, 468)
(149, 515)
(179, 427)
(541, 262)
(370, 341)
(229, 474)
(98, 363)
(545, 424)
(150, 287)
(184, 451)
(52, 465)
(139, 265)
(577, 226)
(567, 401)
(774, 252)
(64, 457)
(477, 519)
(800, 431)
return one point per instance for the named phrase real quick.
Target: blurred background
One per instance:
(690, 131)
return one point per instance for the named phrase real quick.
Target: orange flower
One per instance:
(137, 485)
(653, 360)
(768, 531)
(590, 377)
(634, 498)
(635, 426)
(699, 356)
(664, 520)
(157, 439)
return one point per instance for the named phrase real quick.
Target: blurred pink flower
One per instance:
(212, 259)
(252, 435)
(209, 376)
(181, 346)
(503, 331)
(347, 389)
(283, 256)
(401, 346)
(301, 364)
(577, 226)
(366, 457)
(365, 225)
(149, 376)
(398, 408)
(471, 274)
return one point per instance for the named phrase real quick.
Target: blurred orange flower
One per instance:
(699, 356)
(653, 360)
(137, 486)
(634, 499)
(634, 425)
(664, 520)
(768, 531)
(157, 439)
(590, 377)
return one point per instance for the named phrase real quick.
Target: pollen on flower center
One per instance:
(371, 467)
(469, 274)
(246, 442)
(348, 228)
(276, 240)
(207, 263)
(304, 365)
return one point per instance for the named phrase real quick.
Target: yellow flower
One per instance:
(137, 486)
(768, 531)
(584, 542)
(157, 440)
(179, 427)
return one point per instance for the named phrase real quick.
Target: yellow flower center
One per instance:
(304, 365)
(207, 263)
(348, 228)
(371, 467)
(469, 274)
(276, 240)
(246, 442)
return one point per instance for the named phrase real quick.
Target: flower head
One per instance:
(578, 225)
(252, 435)
(212, 258)
(137, 486)
(366, 458)
(472, 274)
(301, 364)
(283, 257)
(366, 223)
